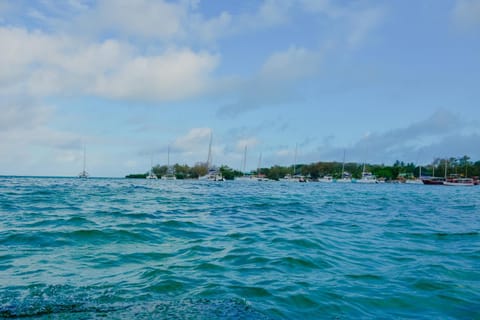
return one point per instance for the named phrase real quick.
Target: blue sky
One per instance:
(382, 80)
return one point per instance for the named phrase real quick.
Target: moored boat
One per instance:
(433, 180)
(84, 174)
(151, 175)
(367, 177)
(462, 182)
(212, 175)
(327, 178)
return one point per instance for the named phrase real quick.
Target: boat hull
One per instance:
(433, 182)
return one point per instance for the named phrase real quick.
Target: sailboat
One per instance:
(213, 173)
(346, 177)
(367, 177)
(457, 180)
(84, 174)
(294, 177)
(416, 180)
(245, 177)
(170, 174)
(151, 175)
(260, 176)
(433, 180)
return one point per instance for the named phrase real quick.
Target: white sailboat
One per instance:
(416, 180)
(367, 177)
(151, 175)
(260, 176)
(327, 178)
(213, 173)
(294, 177)
(346, 177)
(84, 174)
(170, 174)
(245, 177)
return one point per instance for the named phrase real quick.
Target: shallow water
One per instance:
(139, 249)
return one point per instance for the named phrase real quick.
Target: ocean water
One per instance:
(138, 249)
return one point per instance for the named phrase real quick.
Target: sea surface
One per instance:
(140, 249)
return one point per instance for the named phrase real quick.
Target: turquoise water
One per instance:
(138, 249)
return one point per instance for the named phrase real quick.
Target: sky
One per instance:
(131, 79)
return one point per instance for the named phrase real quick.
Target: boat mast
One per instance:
(84, 158)
(168, 157)
(343, 164)
(446, 161)
(244, 167)
(209, 159)
(295, 160)
(259, 165)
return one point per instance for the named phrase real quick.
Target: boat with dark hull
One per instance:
(433, 180)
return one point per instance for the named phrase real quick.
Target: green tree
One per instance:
(227, 173)
(198, 170)
(159, 170)
(464, 163)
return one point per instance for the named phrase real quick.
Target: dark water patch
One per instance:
(209, 267)
(181, 309)
(205, 249)
(106, 235)
(145, 256)
(366, 277)
(303, 301)
(167, 287)
(444, 235)
(430, 285)
(250, 292)
(292, 263)
(178, 224)
(149, 274)
(34, 239)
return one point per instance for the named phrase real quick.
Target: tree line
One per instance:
(462, 166)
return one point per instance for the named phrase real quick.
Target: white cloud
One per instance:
(274, 12)
(195, 140)
(357, 21)
(176, 74)
(290, 65)
(466, 13)
(322, 7)
(246, 142)
(362, 23)
(15, 116)
(141, 18)
(28, 145)
(39, 64)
